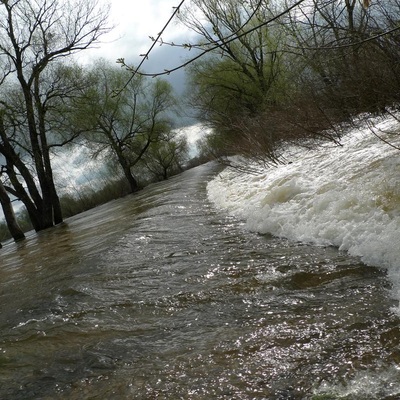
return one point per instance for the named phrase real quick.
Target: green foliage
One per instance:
(246, 77)
(221, 90)
(39, 93)
(126, 115)
(294, 79)
(213, 146)
(225, 87)
(165, 157)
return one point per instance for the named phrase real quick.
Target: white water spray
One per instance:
(346, 196)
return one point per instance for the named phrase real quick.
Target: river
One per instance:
(160, 295)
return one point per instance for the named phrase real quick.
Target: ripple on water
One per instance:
(164, 298)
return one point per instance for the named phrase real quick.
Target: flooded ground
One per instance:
(160, 296)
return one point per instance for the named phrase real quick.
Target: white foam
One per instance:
(365, 385)
(347, 196)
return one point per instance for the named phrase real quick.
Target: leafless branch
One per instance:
(218, 45)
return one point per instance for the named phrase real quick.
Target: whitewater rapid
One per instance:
(346, 196)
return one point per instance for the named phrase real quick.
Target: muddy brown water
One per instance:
(161, 296)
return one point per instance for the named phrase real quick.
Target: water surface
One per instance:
(160, 296)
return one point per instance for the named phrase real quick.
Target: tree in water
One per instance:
(34, 38)
(9, 215)
(126, 116)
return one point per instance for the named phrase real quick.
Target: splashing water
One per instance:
(159, 296)
(344, 196)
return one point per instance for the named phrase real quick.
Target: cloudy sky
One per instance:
(134, 22)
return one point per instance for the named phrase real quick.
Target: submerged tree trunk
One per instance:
(12, 223)
(133, 185)
(35, 36)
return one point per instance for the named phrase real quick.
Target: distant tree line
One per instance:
(48, 101)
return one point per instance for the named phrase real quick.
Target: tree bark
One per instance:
(34, 36)
(133, 185)
(12, 223)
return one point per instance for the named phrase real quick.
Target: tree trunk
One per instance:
(53, 198)
(133, 185)
(12, 223)
(126, 166)
(33, 208)
(38, 156)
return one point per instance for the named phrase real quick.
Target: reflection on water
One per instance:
(158, 296)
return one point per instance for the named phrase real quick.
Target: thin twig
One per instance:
(146, 56)
(217, 45)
